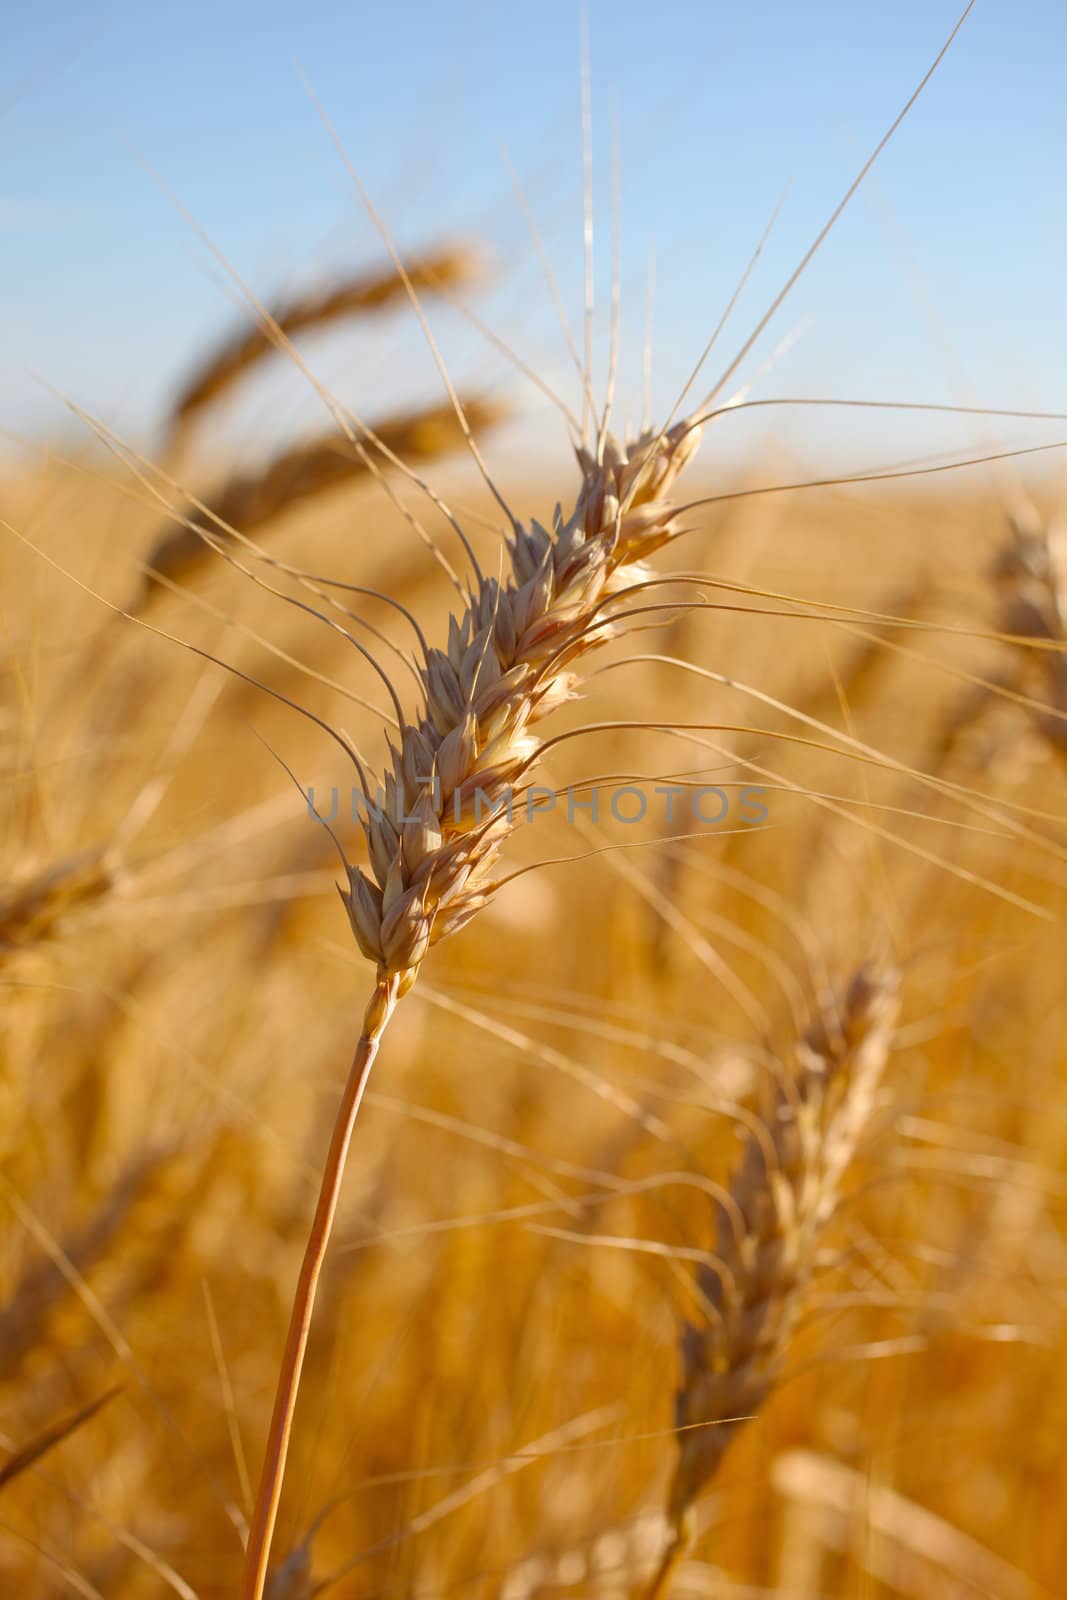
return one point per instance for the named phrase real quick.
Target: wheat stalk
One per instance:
(509, 661)
(782, 1196)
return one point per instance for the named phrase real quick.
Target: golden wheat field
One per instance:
(701, 833)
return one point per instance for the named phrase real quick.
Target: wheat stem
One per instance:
(272, 1476)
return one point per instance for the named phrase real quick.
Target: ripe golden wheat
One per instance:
(369, 293)
(771, 1227)
(175, 1011)
(510, 660)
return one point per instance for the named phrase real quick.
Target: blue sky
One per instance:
(947, 279)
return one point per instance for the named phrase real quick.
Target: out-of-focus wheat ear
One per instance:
(1031, 575)
(965, 716)
(451, 267)
(35, 910)
(249, 502)
(45, 1284)
(786, 1188)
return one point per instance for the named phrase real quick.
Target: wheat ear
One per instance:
(249, 501)
(510, 659)
(1031, 573)
(447, 268)
(33, 910)
(783, 1194)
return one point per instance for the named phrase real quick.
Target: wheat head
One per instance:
(782, 1196)
(510, 659)
(447, 268)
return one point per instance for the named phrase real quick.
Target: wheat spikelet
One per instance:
(250, 501)
(446, 268)
(783, 1194)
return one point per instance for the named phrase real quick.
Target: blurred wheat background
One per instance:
(499, 1387)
